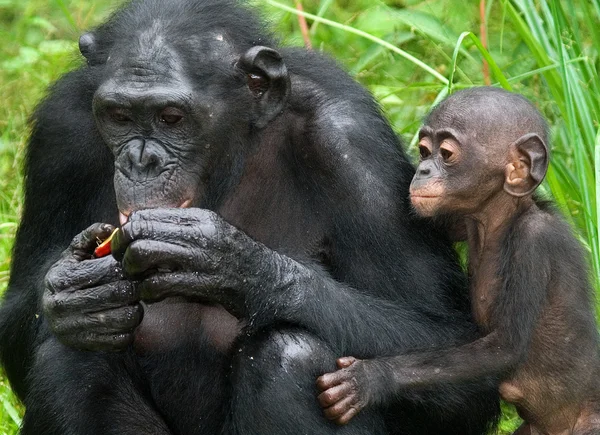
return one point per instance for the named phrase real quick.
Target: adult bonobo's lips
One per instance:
(124, 215)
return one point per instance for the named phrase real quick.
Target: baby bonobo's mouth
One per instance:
(124, 216)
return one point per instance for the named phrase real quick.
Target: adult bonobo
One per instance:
(265, 227)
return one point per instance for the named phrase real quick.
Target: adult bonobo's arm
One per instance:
(195, 253)
(68, 186)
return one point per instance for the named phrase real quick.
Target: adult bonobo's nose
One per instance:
(141, 157)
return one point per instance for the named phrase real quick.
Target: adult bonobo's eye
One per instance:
(257, 84)
(171, 115)
(118, 114)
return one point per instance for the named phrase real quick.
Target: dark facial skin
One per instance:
(483, 153)
(167, 134)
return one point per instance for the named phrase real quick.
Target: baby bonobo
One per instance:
(483, 153)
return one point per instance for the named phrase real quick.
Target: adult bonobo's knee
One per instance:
(287, 353)
(293, 358)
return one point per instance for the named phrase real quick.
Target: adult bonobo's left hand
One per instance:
(87, 301)
(194, 253)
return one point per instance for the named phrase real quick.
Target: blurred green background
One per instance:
(409, 53)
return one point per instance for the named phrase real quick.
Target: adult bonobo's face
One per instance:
(170, 120)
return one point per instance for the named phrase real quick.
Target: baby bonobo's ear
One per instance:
(528, 164)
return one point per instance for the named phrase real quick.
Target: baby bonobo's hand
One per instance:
(343, 391)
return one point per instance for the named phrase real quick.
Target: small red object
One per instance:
(103, 248)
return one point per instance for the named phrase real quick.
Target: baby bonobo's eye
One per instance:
(448, 152)
(424, 150)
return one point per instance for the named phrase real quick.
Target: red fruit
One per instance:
(103, 248)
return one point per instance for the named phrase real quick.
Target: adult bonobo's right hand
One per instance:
(87, 302)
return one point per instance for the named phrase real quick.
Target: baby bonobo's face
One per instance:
(456, 172)
(474, 145)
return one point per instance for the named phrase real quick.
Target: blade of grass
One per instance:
(365, 35)
(11, 411)
(462, 36)
(67, 13)
(498, 74)
(539, 53)
(597, 171)
(581, 157)
(322, 10)
(537, 71)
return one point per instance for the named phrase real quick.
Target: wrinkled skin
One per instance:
(196, 254)
(91, 305)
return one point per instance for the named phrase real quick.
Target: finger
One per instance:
(67, 275)
(345, 362)
(175, 216)
(167, 225)
(98, 342)
(188, 284)
(83, 244)
(345, 419)
(149, 255)
(119, 244)
(334, 394)
(107, 322)
(112, 295)
(330, 380)
(339, 409)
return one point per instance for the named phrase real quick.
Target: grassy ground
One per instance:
(405, 51)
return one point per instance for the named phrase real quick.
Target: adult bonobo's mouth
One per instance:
(124, 215)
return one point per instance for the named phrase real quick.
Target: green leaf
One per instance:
(427, 24)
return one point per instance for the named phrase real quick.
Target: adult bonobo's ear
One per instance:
(87, 45)
(528, 165)
(268, 80)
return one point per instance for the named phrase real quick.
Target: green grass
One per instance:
(409, 53)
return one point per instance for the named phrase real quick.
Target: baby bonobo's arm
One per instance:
(371, 382)
(525, 267)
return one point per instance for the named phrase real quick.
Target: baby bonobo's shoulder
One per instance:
(542, 224)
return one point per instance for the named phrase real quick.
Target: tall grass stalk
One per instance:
(360, 33)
